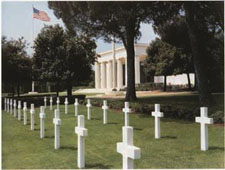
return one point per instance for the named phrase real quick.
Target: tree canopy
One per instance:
(63, 58)
(120, 20)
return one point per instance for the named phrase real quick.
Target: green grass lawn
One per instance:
(179, 146)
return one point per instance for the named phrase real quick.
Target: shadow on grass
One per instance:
(113, 123)
(138, 129)
(68, 147)
(95, 119)
(98, 165)
(216, 148)
(169, 137)
(50, 137)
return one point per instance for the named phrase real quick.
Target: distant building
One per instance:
(111, 69)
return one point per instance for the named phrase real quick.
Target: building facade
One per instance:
(111, 67)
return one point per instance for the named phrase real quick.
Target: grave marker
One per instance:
(57, 122)
(19, 110)
(42, 122)
(14, 108)
(11, 106)
(105, 114)
(204, 121)
(157, 114)
(126, 111)
(66, 105)
(51, 101)
(45, 102)
(5, 108)
(57, 102)
(126, 148)
(81, 131)
(76, 104)
(25, 113)
(32, 118)
(89, 109)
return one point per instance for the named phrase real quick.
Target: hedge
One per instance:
(176, 111)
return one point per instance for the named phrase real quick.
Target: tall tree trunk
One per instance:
(189, 81)
(165, 82)
(130, 92)
(198, 51)
(18, 89)
(69, 89)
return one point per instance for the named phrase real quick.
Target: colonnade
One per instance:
(104, 73)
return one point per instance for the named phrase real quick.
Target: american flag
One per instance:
(41, 15)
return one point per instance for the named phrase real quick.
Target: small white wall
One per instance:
(180, 79)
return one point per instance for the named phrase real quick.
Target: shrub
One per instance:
(218, 116)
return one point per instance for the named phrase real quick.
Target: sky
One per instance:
(17, 21)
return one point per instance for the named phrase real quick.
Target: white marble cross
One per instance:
(76, 104)
(24, 113)
(51, 101)
(5, 108)
(19, 110)
(105, 114)
(66, 105)
(126, 111)
(89, 109)
(204, 121)
(57, 122)
(57, 102)
(7, 105)
(11, 106)
(45, 102)
(42, 122)
(157, 114)
(81, 132)
(32, 118)
(14, 108)
(127, 149)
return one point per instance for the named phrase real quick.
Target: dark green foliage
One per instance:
(63, 58)
(16, 65)
(120, 20)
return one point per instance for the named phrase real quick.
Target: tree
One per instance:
(175, 32)
(202, 19)
(16, 65)
(120, 20)
(63, 58)
(161, 59)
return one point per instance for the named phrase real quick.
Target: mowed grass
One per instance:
(179, 146)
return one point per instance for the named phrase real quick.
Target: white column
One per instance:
(32, 86)
(137, 70)
(157, 114)
(57, 122)
(103, 75)
(126, 71)
(24, 113)
(42, 122)
(97, 75)
(5, 108)
(81, 131)
(32, 119)
(119, 74)
(113, 66)
(109, 75)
